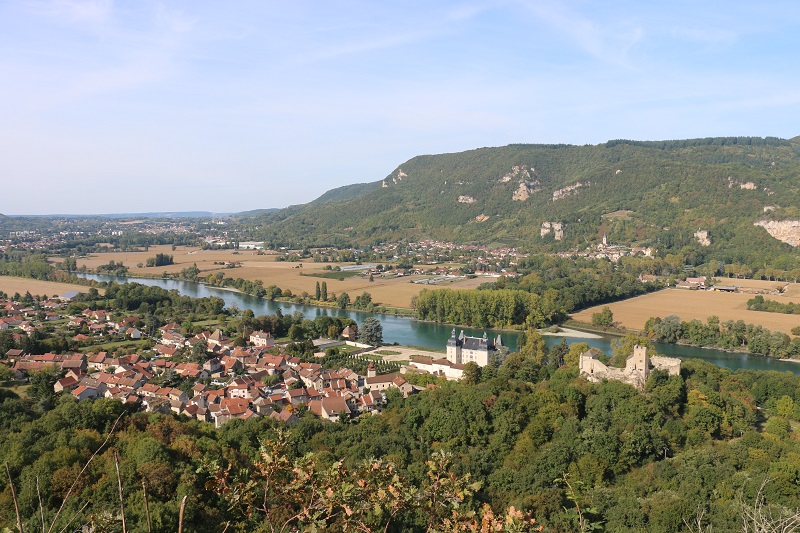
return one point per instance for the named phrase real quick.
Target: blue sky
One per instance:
(133, 106)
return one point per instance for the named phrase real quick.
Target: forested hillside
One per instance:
(649, 193)
(527, 434)
(346, 192)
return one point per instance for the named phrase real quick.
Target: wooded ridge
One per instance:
(644, 193)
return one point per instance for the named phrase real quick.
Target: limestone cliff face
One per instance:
(787, 231)
(527, 182)
(556, 227)
(702, 237)
(568, 191)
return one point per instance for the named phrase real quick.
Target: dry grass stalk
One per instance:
(146, 506)
(758, 518)
(180, 515)
(14, 497)
(85, 505)
(41, 507)
(75, 483)
(121, 499)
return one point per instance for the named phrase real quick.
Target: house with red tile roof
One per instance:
(84, 393)
(286, 416)
(330, 408)
(165, 351)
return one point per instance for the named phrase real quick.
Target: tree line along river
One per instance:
(410, 332)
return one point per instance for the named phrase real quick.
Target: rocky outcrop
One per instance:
(787, 231)
(702, 237)
(746, 185)
(555, 227)
(525, 189)
(518, 171)
(481, 218)
(466, 199)
(396, 178)
(749, 186)
(527, 183)
(568, 191)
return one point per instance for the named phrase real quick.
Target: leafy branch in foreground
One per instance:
(281, 494)
(69, 492)
(582, 513)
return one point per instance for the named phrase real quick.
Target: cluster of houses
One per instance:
(612, 252)
(229, 381)
(61, 233)
(24, 318)
(232, 382)
(238, 386)
(699, 283)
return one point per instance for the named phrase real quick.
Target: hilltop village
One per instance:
(226, 381)
(210, 377)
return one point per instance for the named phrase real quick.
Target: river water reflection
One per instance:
(409, 332)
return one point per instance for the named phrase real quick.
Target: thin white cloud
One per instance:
(468, 11)
(91, 11)
(609, 42)
(708, 35)
(174, 20)
(101, 52)
(362, 46)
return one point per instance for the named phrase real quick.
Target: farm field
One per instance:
(688, 305)
(389, 291)
(11, 285)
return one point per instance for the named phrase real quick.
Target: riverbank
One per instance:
(587, 327)
(433, 337)
(392, 291)
(294, 300)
